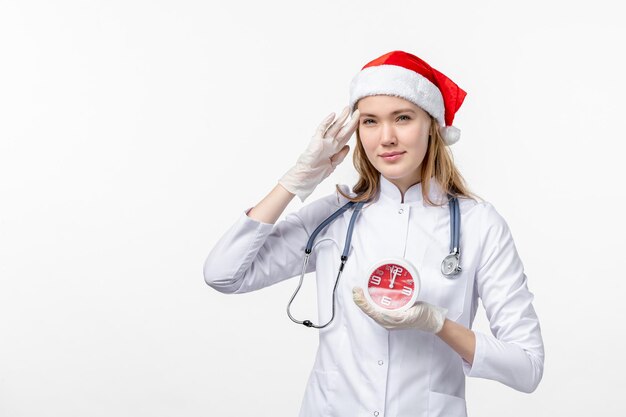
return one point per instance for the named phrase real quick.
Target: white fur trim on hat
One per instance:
(393, 80)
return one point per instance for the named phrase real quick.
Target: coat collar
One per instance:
(413, 195)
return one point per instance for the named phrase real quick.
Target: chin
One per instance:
(393, 173)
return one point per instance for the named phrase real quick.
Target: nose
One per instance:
(387, 134)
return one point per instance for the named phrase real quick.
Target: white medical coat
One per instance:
(362, 369)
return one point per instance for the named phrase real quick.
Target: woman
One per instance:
(410, 363)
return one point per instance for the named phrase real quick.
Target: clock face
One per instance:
(392, 285)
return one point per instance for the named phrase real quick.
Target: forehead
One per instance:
(382, 105)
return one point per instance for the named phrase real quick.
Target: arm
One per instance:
(254, 253)
(513, 353)
(272, 206)
(461, 339)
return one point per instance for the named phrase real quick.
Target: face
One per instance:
(394, 133)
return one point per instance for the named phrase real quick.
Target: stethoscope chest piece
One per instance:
(450, 265)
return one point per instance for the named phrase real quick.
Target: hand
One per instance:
(422, 316)
(326, 150)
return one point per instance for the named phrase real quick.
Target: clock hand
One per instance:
(393, 278)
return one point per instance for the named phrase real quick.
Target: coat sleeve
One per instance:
(513, 354)
(252, 255)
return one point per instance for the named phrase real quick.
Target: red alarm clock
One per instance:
(392, 285)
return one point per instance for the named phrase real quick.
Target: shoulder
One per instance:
(482, 214)
(485, 228)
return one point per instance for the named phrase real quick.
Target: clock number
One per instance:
(407, 290)
(397, 270)
(375, 280)
(386, 301)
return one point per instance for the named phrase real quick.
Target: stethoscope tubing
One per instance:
(344, 257)
(455, 224)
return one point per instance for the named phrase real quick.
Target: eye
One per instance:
(404, 117)
(366, 121)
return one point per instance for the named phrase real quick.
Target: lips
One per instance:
(391, 156)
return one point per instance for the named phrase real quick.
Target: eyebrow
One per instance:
(392, 113)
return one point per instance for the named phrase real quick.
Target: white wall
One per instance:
(133, 133)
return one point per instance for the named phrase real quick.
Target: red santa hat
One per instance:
(401, 74)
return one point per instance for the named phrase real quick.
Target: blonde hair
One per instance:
(438, 163)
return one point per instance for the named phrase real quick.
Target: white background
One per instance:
(133, 133)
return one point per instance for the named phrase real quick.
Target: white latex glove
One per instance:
(422, 316)
(326, 150)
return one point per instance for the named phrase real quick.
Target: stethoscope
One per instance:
(449, 266)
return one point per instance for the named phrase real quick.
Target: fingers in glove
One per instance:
(337, 124)
(394, 318)
(357, 296)
(323, 127)
(359, 299)
(346, 132)
(338, 158)
(363, 304)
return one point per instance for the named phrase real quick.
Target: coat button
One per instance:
(401, 211)
(380, 362)
(376, 413)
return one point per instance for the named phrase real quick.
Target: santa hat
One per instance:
(404, 75)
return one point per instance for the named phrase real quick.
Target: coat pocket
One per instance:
(323, 393)
(440, 405)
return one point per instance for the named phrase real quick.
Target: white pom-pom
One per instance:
(450, 134)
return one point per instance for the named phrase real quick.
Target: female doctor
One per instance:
(410, 363)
